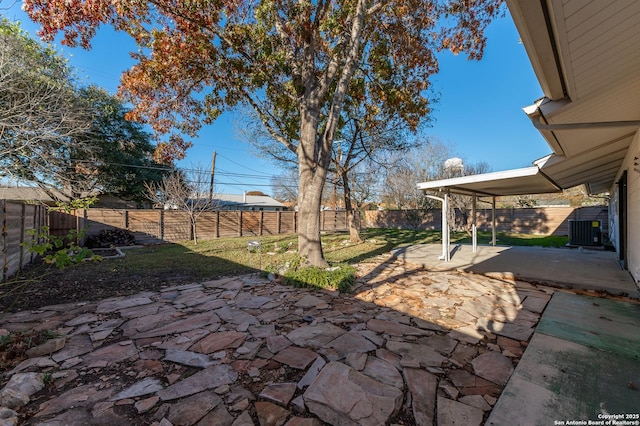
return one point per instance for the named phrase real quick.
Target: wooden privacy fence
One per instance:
(534, 220)
(17, 220)
(153, 226)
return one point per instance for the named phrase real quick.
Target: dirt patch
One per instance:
(42, 285)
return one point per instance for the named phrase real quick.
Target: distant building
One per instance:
(26, 194)
(247, 202)
(109, 201)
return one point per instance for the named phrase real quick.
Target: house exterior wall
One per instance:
(614, 205)
(633, 209)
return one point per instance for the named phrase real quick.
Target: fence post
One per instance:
(22, 219)
(125, 219)
(36, 209)
(261, 221)
(295, 221)
(4, 239)
(83, 222)
(161, 224)
(218, 224)
(240, 223)
(77, 225)
(278, 219)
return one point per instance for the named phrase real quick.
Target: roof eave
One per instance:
(534, 26)
(498, 184)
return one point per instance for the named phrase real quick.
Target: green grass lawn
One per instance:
(158, 266)
(225, 256)
(505, 239)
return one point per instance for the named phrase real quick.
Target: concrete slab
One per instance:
(603, 324)
(582, 362)
(578, 268)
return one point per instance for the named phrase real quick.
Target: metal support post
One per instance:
(493, 221)
(474, 229)
(446, 254)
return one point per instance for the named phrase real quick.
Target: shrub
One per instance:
(340, 277)
(60, 251)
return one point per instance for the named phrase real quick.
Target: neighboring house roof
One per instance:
(584, 55)
(25, 193)
(241, 200)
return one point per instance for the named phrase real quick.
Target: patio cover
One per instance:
(524, 181)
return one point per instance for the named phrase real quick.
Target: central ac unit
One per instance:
(585, 232)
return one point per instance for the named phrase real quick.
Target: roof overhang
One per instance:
(524, 181)
(583, 55)
(580, 53)
(533, 20)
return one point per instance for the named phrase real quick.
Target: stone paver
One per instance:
(456, 413)
(296, 357)
(209, 378)
(270, 414)
(422, 387)
(145, 387)
(494, 367)
(406, 346)
(341, 395)
(280, 393)
(215, 342)
(190, 410)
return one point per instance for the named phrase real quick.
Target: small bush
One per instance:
(340, 277)
(60, 251)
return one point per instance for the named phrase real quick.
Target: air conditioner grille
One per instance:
(585, 232)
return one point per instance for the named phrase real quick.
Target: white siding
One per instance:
(633, 187)
(633, 209)
(613, 219)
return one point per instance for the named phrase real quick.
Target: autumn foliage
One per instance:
(295, 63)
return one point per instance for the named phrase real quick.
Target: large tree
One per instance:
(72, 142)
(294, 62)
(40, 112)
(285, 186)
(423, 163)
(432, 161)
(118, 154)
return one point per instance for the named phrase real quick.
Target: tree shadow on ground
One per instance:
(395, 318)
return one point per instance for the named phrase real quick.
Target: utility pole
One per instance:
(213, 169)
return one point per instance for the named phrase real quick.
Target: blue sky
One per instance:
(479, 113)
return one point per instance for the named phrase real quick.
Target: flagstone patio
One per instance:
(406, 346)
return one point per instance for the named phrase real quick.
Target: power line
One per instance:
(242, 165)
(229, 175)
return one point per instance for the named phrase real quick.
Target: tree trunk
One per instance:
(311, 183)
(194, 231)
(309, 243)
(354, 232)
(314, 149)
